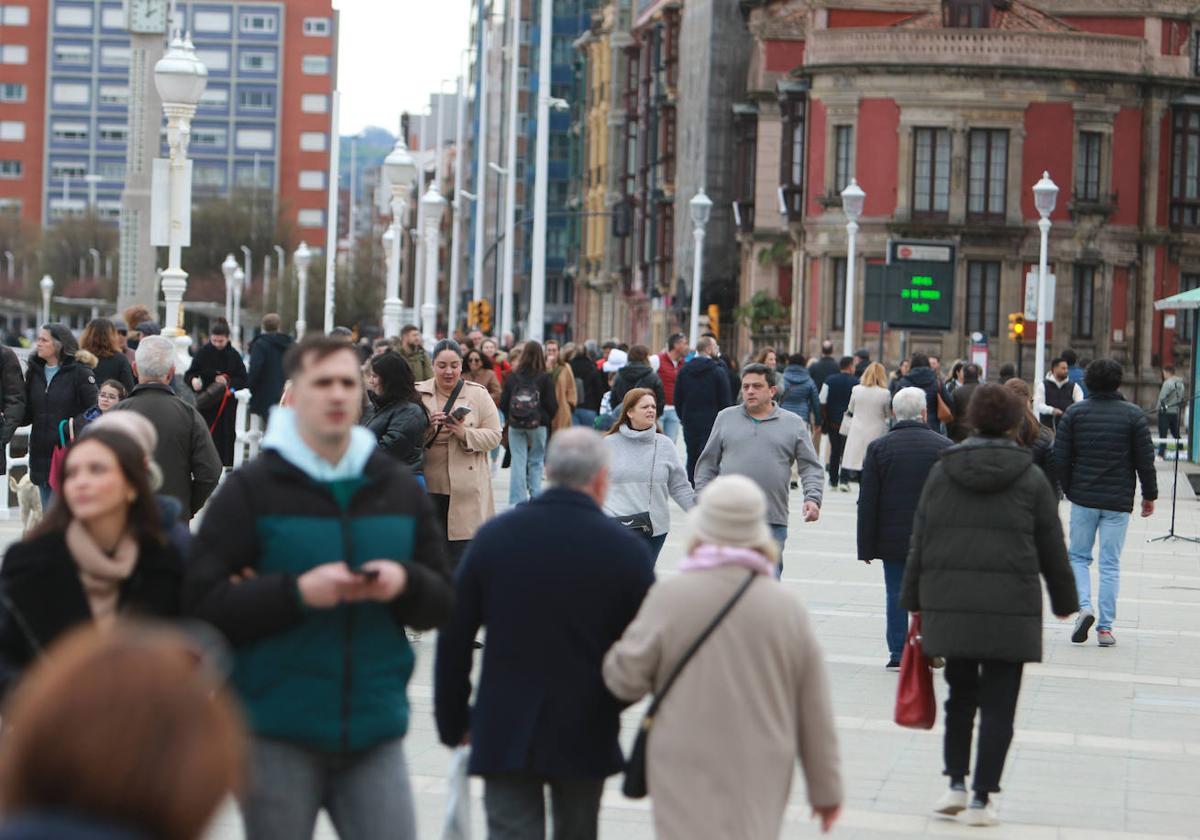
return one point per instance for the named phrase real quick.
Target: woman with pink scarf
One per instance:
(752, 699)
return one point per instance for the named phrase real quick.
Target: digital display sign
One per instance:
(919, 286)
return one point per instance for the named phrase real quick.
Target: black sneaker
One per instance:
(893, 665)
(1082, 625)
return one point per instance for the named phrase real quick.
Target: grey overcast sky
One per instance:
(393, 53)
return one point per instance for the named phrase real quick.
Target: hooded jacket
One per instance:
(701, 392)
(637, 375)
(266, 379)
(798, 393)
(68, 396)
(12, 399)
(986, 527)
(925, 379)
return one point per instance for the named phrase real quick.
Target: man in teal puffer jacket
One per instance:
(311, 560)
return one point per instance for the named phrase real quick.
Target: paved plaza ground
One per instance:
(1107, 743)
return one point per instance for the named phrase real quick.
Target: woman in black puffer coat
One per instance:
(57, 388)
(396, 415)
(986, 531)
(218, 361)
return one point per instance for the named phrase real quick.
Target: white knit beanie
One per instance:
(141, 431)
(733, 512)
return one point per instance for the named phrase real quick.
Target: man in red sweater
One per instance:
(669, 362)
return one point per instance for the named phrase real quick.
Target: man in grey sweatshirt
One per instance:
(760, 440)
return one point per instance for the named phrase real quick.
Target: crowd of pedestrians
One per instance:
(368, 518)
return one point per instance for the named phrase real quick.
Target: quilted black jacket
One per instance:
(1103, 444)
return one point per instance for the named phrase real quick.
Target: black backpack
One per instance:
(525, 407)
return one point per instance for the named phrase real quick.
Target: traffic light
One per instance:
(485, 316)
(1016, 326)
(473, 313)
(714, 320)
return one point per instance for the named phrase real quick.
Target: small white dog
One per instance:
(30, 500)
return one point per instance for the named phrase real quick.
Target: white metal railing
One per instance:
(14, 461)
(248, 438)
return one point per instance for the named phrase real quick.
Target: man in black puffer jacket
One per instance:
(921, 375)
(1102, 449)
(894, 471)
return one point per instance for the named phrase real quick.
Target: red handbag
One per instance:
(916, 705)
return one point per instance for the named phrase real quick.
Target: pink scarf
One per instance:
(708, 556)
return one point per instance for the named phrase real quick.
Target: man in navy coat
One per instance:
(701, 391)
(555, 582)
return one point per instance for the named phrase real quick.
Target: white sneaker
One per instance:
(981, 815)
(951, 803)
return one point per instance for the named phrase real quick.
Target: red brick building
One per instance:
(22, 107)
(947, 112)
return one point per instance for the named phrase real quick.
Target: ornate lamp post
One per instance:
(401, 170)
(180, 78)
(434, 206)
(235, 327)
(228, 268)
(302, 258)
(701, 208)
(853, 199)
(1045, 196)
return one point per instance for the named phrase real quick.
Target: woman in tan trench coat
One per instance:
(456, 467)
(564, 385)
(724, 743)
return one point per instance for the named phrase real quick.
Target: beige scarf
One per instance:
(100, 573)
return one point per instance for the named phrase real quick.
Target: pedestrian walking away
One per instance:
(265, 378)
(761, 441)
(959, 402)
(311, 560)
(1034, 436)
(894, 471)
(1101, 452)
(821, 369)
(554, 583)
(798, 391)
(644, 472)
(985, 530)
(870, 405)
(701, 392)
(835, 399)
(465, 428)
(749, 702)
(529, 405)
(637, 373)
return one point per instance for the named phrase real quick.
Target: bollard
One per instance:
(242, 425)
(12, 461)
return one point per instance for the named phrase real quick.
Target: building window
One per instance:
(14, 54)
(113, 133)
(212, 21)
(1183, 318)
(1082, 303)
(931, 172)
(987, 186)
(312, 141)
(111, 170)
(257, 62)
(112, 19)
(14, 15)
(211, 177)
(73, 17)
(209, 136)
(315, 65)
(310, 217)
(253, 175)
(68, 169)
(259, 24)
(71, 94)
(69, 132)
(317, 26)
(12, 92)
(216, 60)
(13, 130)
(316, 103)
(114, 95)
(215, 98)
(255, 139)
(256, 100)
(10, 169)
(1185, 168)
(837, 318)
(745, 138)
(114, 56)
(312, 179)
(843, 165)
(791, 158)
(983, 297)
(968, 14)
(1087, 167)
(74, 55)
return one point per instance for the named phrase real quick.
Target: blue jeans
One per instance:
(584, 417)
(46, 493)
(366, 794)
(1111, 525)
(779, 532)
(528, 447)
(670, 423)
(897, 616)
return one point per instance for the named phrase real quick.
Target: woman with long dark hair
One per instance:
(217, 362)
(529, 405)
(101, 340)
(477, 368)
(1033, 435)
(99, 552)
(396, 415)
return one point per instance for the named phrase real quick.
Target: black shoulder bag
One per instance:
(446, 410)
(634, 784)
(640, 522)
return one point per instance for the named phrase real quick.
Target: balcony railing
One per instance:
(977, 48)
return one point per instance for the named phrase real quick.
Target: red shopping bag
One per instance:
(916, 706)
(66, 431)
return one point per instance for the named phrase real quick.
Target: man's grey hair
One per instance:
(908, 403)
(704, 345)
(155, 358)
(575, 458)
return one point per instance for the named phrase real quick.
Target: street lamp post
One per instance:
(227, 270)
(701, 209)
(853, 199)
(1045, 196)
(180, 78)
(301, 259)
(434, 206)
(400, 169)
(239, 281)
(248, 265)
(47, 286)
(11, 258)
(280, 265)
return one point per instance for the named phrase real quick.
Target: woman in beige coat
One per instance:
(456, 468)
(870, 404)
(755, 696)
(564, 386)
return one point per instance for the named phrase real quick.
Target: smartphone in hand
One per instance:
(459, 413)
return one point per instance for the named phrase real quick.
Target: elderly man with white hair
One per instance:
(185, 452)
(894, 471)
(555, 582)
